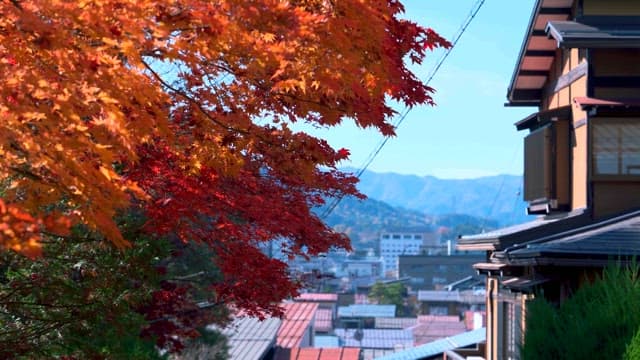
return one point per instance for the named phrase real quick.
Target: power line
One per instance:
(472, 14)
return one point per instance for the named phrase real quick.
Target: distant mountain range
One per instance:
(363, 220)
(494, 197)
(452, 207)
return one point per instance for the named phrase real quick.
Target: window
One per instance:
(396, 236)
(616, 149)
(546, 168)
(438, 310)
(407, 236)
(385, 236)
(417, 237)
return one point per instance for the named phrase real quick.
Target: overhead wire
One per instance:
(372, 156)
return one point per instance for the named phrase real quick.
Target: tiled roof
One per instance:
(605, 240)
(298, 317)
(502, 238)
(324, 321)
(367, 311)
(249, 338)
(376, 338)
(439, 346)
(317, 354)
(317, 297)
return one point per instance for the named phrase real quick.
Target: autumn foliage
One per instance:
(184, 110)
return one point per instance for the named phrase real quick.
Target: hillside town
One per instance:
(413, 297)
(469, 299)
(158, 199)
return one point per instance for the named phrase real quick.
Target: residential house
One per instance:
(579, 65)
(363, 316)
(434, 272)
(430, 328)
(318, 354)
(465, 345)
(456, 303)
(376, 338)
(367, 267)
(326, 312)
(250, 338)
(296, 330)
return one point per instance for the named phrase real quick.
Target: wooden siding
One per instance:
(613, 197)
(610, 7)
(579, 175)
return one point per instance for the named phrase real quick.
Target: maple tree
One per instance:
(84, 299)
(184, 110)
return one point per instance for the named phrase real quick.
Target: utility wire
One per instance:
(472, 14)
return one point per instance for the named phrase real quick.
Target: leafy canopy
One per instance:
(183, 110)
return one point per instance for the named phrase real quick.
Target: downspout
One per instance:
(490, 325)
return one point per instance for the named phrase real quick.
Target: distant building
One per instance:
(438, 302)
(363, 316)
(250, 338)
(362, 267)
(406, 242)
(318, 354)
(434, 272)
(297, 325)
(376, 338)
(327, 310)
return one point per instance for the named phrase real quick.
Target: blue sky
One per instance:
(470, 132)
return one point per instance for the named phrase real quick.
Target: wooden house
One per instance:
(580, 65)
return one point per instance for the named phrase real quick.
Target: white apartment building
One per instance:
(396, 243)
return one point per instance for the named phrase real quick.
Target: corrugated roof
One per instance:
(317, 297)
(324, 320)
(376, 338)
(431, 328)
(326, 341)
(574, 34)
(441, 318)
(250, 338)
(394, 323)
(439, 346)
(371, 354)
(298, 318)
(317, 354)
(367, 310)
(463, 297)
(587, 103)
